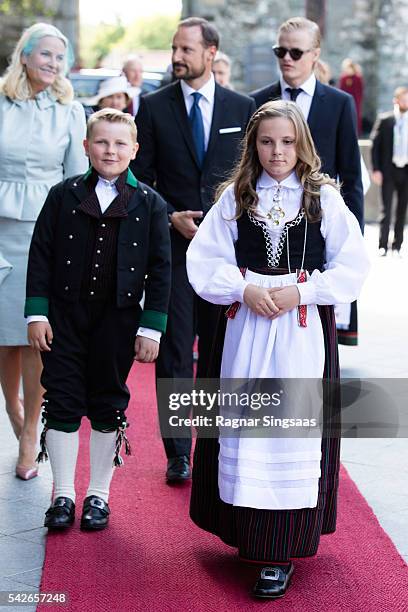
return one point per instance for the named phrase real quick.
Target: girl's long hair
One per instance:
(246, 173)
(16, 85)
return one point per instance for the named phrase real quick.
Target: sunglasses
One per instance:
(295, 54)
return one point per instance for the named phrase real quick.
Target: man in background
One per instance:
(330, 113)
(133, 71)
(189, 134)
(331, 116)
(389, 156)
(222, 70)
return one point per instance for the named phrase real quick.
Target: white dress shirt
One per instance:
(305, 97)
(400, 147)
(206, 103)
(134, 93)
(106, 192)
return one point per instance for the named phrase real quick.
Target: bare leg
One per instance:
(33, 391)
(10, 374)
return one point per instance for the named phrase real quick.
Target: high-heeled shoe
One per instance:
(26, 473)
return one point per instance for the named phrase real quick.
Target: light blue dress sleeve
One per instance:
(41, 143)
(75, 160)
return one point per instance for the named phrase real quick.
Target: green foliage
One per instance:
(25, 8)
(99, 41)
(154, 32)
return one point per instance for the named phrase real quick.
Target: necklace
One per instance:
(276, 213)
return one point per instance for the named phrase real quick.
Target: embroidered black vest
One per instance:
(254, 249)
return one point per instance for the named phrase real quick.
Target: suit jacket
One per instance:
(382, 150)
(167, 156)
(56, 262)
(332, 122)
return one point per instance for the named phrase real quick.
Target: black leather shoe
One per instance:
(95, 513)
(178, 469)
(273, 581)
(61, 513)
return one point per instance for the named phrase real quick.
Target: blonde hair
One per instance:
(15, 83)
(111, 115)
(322, 72)
(349, 67)
(222, 57)
(400, 91)
(301, 23)
(245, 175)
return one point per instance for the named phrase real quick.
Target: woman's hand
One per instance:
(260, 301)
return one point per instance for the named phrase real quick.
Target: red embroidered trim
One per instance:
(302, 308)
(233, 309)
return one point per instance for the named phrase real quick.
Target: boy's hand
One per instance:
(40, 335)
(146, 350)
(183, 222)
(285, 298)
(260, 301)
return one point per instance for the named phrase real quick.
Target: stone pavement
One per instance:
(22, 507)
(378, 466)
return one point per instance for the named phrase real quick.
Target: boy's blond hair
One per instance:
(111, 115)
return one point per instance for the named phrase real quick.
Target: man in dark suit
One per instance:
(330, 113)
(331, 116)
(189, 134)
(389, 155)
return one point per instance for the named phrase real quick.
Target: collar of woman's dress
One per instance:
(43, 99)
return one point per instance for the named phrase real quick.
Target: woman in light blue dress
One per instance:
(41, 134)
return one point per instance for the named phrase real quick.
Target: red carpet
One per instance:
(153, 559)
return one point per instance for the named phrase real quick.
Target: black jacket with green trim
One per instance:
(56, 262)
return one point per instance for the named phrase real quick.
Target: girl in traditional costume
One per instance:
(281, 247)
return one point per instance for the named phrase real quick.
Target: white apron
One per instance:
(272, 473)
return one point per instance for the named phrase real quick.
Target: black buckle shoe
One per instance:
(61, 513)
(178, 469)
(273, 581)
(95, 513)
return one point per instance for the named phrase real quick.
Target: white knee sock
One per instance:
(63, 452)
(102, 452)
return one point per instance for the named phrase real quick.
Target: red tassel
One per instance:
(233, 309)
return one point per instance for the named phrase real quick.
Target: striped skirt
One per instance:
(268, 536)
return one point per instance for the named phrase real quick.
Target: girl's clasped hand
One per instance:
(271, 303)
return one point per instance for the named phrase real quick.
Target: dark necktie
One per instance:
(197, 126)
(293, 92)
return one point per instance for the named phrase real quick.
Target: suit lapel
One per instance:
(179, 110)
(80, 190)
(316, 107)
(219, 113)
(275, 92)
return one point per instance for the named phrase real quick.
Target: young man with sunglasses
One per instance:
(330, 113)
(331, 116)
